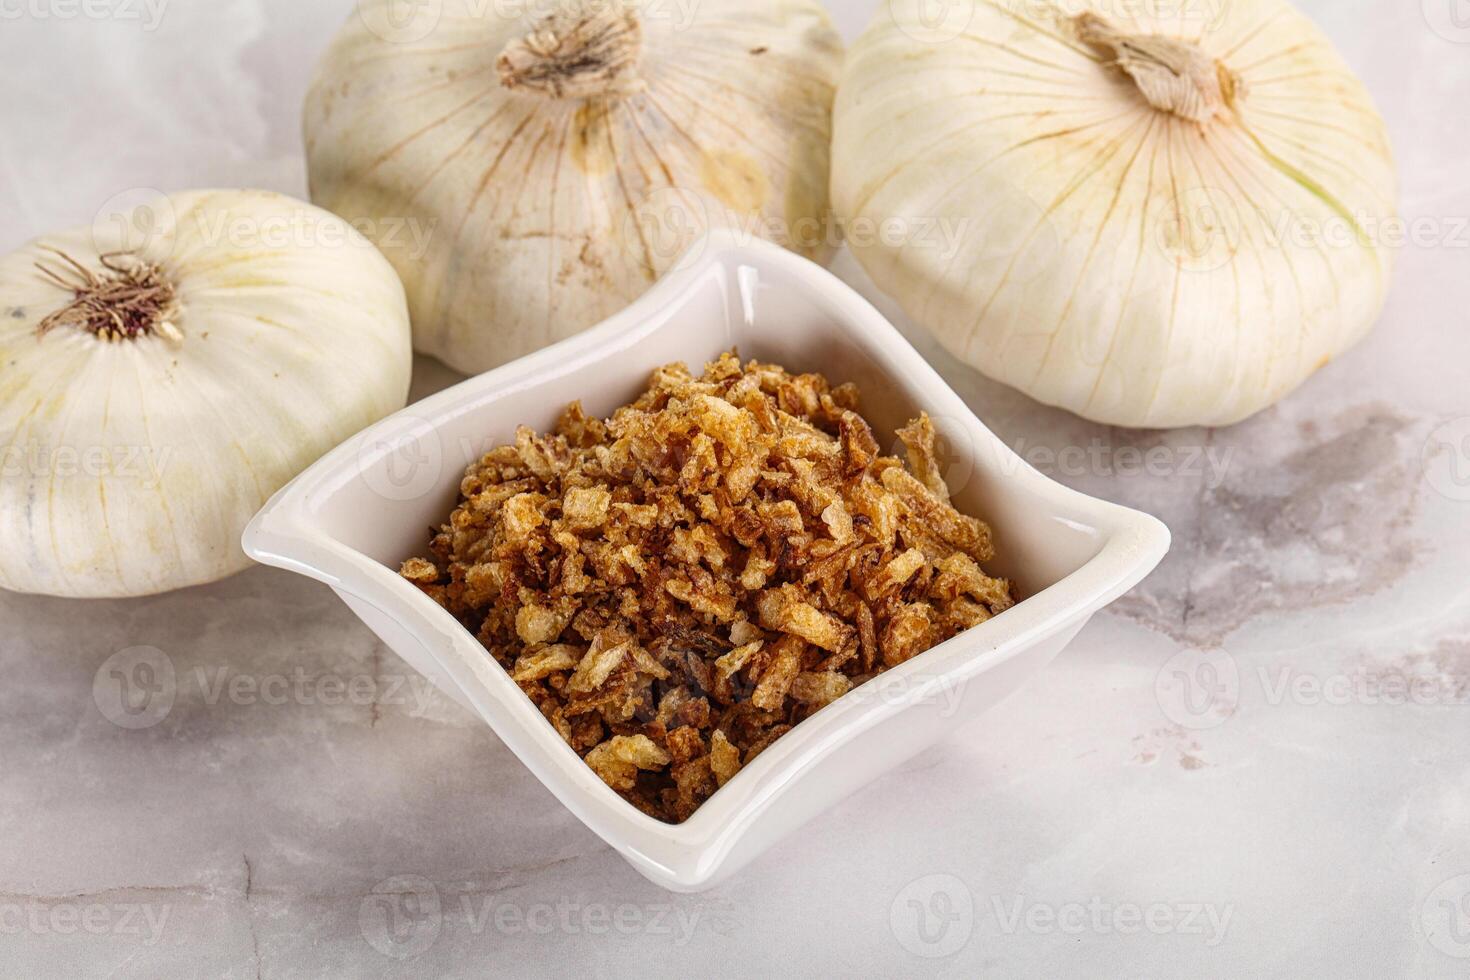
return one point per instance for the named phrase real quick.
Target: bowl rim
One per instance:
(285, 533)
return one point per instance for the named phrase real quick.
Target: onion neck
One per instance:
(587, 49)
(1173, 76)
(125, 299)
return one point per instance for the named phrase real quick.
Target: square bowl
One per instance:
(357, 513)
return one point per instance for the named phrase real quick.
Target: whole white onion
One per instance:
(1151, 215)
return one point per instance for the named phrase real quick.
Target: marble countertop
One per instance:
(1257, 763)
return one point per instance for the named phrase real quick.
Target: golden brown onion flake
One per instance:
(677, 586)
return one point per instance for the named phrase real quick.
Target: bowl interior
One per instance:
(406, 473)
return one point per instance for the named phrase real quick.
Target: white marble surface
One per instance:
(1312, 822)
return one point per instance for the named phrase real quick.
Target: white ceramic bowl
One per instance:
(353, 516)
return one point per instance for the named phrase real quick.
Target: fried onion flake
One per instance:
(677, 586)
